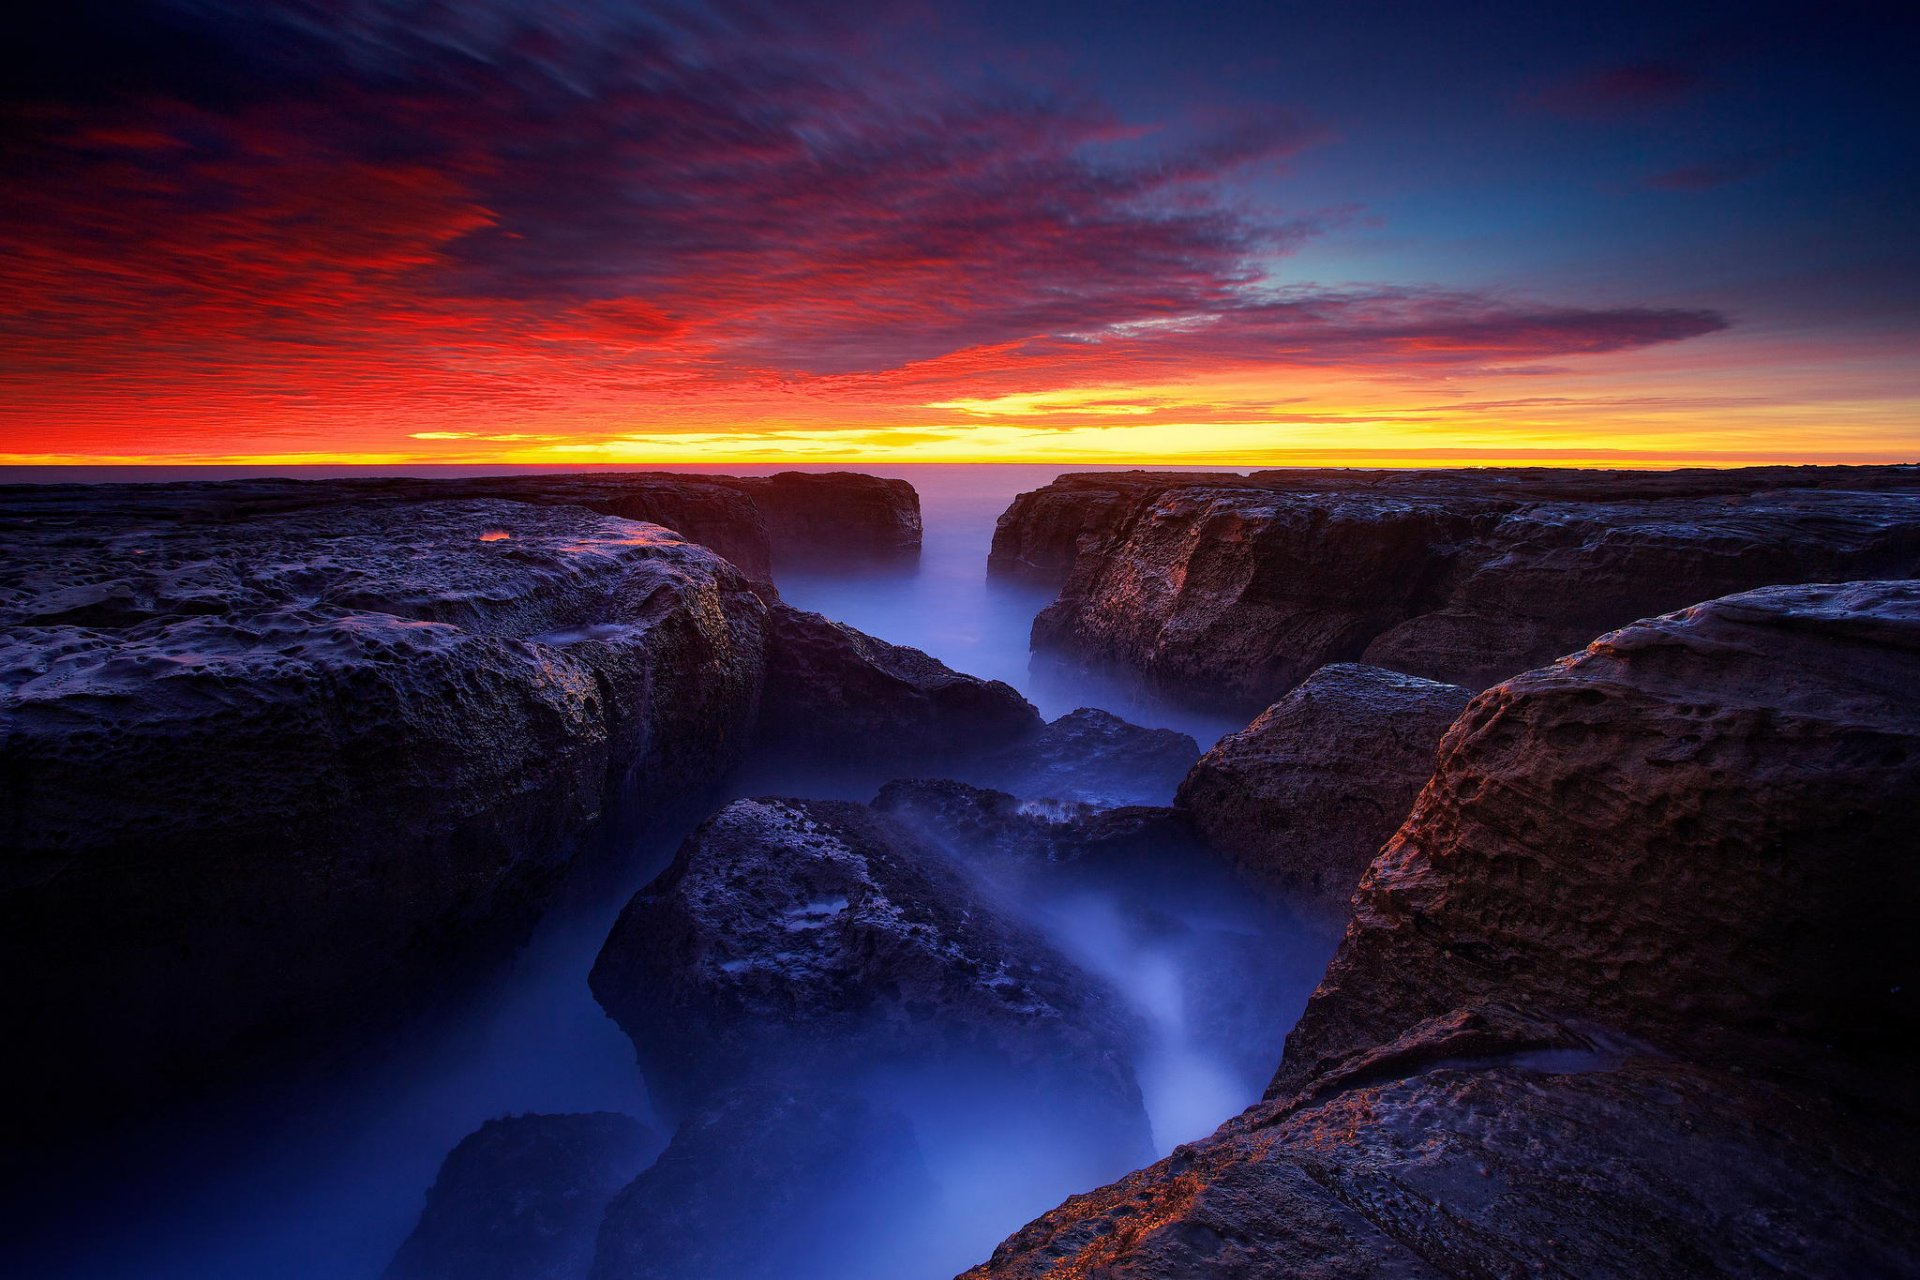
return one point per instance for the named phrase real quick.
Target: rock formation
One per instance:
(839, 699)
(521, 1198)
(823, 935)
(1627, 995)
(1229, 590)
(1092, 757)
(277, 757)
(771, 1181)
(1301, 799)
(754, 522)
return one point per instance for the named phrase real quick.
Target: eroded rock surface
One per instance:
(801, 935)
(264, 775)
(1092, 757)
(1229, 590)
(770, 1181)
(837, 698)
(522, 1197)
(1301, 799)
(752, 521)
(1627, 995)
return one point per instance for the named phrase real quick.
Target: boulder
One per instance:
(838, 519)
(1227, 591)
(1093, 757)
(521, 1198)
(800, 936)
(837, 699)
(264, 777)
(771, 1181)
(1627, 995)
(1697, 830)
(1301, 799)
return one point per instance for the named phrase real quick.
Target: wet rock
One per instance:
(521, 1198)
(771, 1181)
(1625, 996)
(839, 699)
(1093, 757)
(823, 936)
(1228, 591)
(1301, 799)
(263, 777)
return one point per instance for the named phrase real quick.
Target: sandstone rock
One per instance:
(1625, 996)
(1302, 798)
(820, 935)
(753, 522)
(837, 698)
(838, 518)
(261, 777)
(1507, 1154)
(1699, 831)
(1093, 757)
(521, 1198)
(1228, 591)
(769, 1182)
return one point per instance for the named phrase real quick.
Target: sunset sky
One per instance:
(1247, 234)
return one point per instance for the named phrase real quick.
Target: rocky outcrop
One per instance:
(1092, 757)
(522, 1197)
(838, 518)
(820, 935)
(1229, 590)
(1301, 799)
(1627, 995)
(838, 699)
(753, 521)
(1698, 830)
(768, 1182)
(276, 757)
(262, 776)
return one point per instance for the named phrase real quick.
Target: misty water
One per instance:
(321, 1175)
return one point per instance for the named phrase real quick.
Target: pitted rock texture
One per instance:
(1627, 995)
(265, 775)
(837, 698)
(1091, 757)
(770, 1181)
(1229, 590)
(1301, 799)
(1502, 1161)
(755, 522)
(824, 935)
(522, 1197)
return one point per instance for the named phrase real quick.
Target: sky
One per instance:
(1244, 234)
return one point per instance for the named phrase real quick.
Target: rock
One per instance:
(1560, 1161)
(521, 1198)
(1092, 757)
(1229, 590)
(753, 522)
(1698, 830)
(1301, 799)
(823, 936)
(839, 699)
(261, 778)
(768, 1182)
(838, 518)
(1627, 995)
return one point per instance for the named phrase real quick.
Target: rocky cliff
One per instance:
(1229, 590)
(1628, 994)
